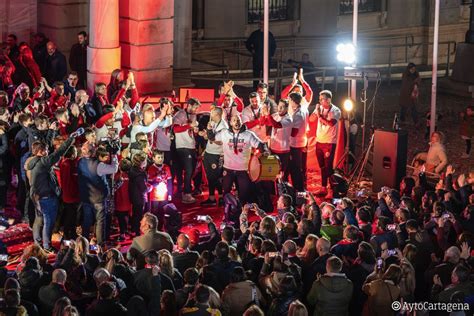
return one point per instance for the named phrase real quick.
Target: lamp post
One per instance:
(355, 21)
(434, 77)
(265, 41)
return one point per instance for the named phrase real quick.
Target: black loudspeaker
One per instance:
(390, 158)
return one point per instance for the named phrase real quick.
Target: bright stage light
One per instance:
(348, 105)
(346, 53)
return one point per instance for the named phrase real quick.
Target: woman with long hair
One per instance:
(60, 305)
(297, 309)
(308, 253)
(268, 228)
(383, 292)
(165, 262)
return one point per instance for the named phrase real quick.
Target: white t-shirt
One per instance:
(300, 122)
(184, 139)
(237, 148)
(249, 114)
(212, 147)
(280, 140)
(327, 134)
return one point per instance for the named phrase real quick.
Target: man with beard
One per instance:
(237, 145)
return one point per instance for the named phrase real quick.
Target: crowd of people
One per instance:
(83, 165)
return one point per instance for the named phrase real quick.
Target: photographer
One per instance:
(94, 188)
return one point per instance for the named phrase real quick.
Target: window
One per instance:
(280, 10)
(347, 6)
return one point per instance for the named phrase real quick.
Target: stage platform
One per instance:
(189, 213)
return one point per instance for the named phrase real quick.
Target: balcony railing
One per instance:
(365, 6)
(278, 10)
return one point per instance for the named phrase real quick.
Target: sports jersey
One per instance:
(211, 146)
(327, 134)
(237, 148)
(300, 122)
(183, 131)
(248, 115)
(280, 140)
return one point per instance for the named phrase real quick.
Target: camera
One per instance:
(112, 145)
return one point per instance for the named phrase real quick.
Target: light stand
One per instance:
(365, 74)
(348, 107)
(364, 101)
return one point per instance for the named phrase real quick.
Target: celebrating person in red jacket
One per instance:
(68, 183)
(159, 177)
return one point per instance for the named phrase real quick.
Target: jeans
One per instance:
(284, 162)
(122, 220)
(137, 215)
(296, 168)
(243, 183)
(213, 166)
(94, 212)
(46, 212)
(70, 211)
(187, 163)
(325, 154)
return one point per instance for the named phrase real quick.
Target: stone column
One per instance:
(103, 53)
(146, 38)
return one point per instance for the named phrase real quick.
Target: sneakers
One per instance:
(197, 192)
(50, 249)
(188, 198)
(465, 156)
(208, 202)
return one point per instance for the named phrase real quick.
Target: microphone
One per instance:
(78, 132)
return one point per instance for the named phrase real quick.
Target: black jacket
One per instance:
(281, 305)
(55, 67)
(48, 295)
(137, 188)
(254, 44)
(78, 61)
(31, 281)
(150, 288)
(106, 307)
(43, 180)
(217, 274)
(185, 260)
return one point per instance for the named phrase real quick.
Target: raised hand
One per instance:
(300, 75)
(295, 80)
